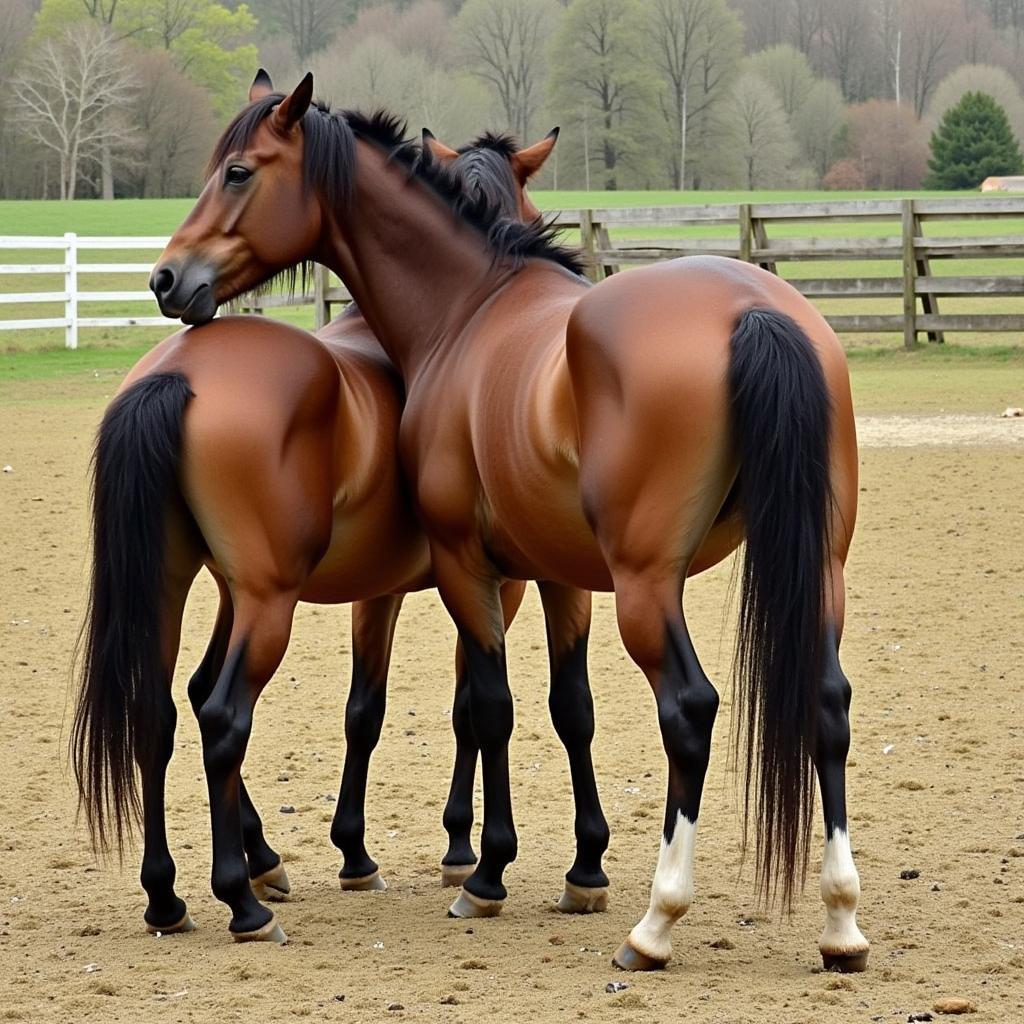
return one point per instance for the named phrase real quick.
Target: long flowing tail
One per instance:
(135, 469)
(781, 420)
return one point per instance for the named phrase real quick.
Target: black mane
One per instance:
(475, 195)
(501, 143)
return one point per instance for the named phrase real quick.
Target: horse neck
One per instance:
(416, 271)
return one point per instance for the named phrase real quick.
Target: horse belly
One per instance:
(539, 532)
(371, 553)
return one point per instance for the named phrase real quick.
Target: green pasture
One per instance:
(161, 216)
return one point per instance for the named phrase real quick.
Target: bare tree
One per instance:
(684, 35)
(505, 45)
(890, 29)
(761, 137)
(805, 25)
(928, 38)
(176, 125)
(15, 28)
(69, 95)
(766, 21)
(310, 24)
(844, 33)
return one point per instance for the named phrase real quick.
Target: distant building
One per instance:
(1014, 183)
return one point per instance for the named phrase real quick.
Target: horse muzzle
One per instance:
(185, 291)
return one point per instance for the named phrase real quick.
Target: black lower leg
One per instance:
(259, 854)
(490, 705)
(572, 713)
(261, 857)
(833, 738)
(225, 722)
(364, 717)
(165, 909)
(458, 811)
(687, 706)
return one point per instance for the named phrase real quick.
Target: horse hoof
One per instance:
(368, 883)
(468, 905)
(453, 875)
(577, 899)
(629, 958)
(845, 963)
(272, 886)
(270, 932)
(186, 924)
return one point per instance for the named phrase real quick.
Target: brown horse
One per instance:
(270, 457)
(622, 437)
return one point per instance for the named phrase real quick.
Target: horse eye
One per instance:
(236, 174)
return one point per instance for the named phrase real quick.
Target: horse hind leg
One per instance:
(567, 617)
(259, 638)
(842, 945)
(266, 869)
(655, 634)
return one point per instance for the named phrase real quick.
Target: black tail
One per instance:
(135, 467)
(781, 419)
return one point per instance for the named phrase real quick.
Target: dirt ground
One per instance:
(935, 650)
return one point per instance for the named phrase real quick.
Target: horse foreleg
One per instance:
(259, 638)
(373, 629)
(567, 617)
(470, 592)
(842, 945)
(459, 861)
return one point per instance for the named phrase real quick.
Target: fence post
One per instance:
(321, 307)
(588, 243)
(71, 289)
(909, 275)
(746, 232)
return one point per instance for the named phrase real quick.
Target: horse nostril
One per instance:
(163, 282)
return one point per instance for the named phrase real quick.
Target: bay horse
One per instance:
(621, 437)
(270, 456)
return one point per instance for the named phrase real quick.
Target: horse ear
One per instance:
(438, 150)
(261, 86)
(527, 162)
(288, 113)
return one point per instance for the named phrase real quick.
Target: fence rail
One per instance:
(746, 231)
(71, 245)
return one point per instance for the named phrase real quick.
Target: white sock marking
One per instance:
(840, 891)
(671, 892)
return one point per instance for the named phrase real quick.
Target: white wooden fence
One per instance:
(72, 268)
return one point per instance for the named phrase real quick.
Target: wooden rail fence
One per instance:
(750, 238)
(746, 231)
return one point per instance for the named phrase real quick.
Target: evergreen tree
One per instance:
(972, 142)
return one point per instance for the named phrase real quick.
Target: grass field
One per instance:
(161, 216)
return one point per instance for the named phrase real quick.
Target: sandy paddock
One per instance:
(935, 650)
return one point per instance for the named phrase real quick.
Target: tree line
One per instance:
(125, 97)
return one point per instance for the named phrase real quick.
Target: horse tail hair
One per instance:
(123, 679)
(781, 415)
